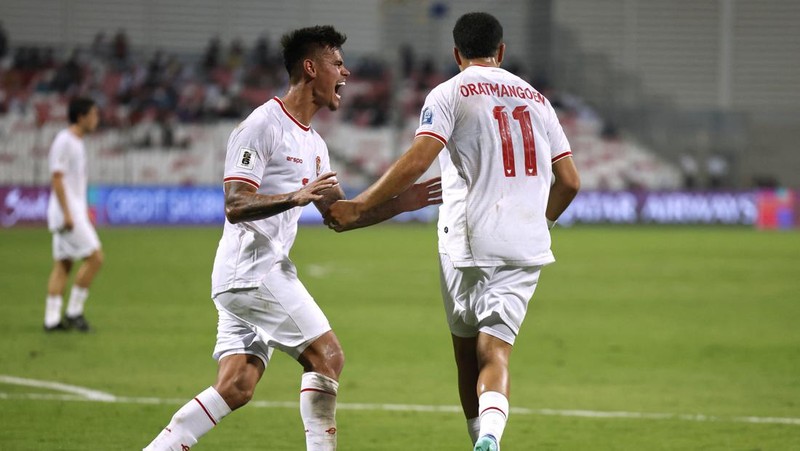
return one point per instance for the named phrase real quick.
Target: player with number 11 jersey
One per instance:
(507, 176)
(494, 202)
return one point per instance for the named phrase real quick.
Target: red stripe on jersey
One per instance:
(493, 408)
(206, 411)
(434, 136)
(283, 107)
(561, 156)
(318, 391)
(240, 179)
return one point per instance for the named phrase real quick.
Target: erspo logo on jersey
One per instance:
(498, 90)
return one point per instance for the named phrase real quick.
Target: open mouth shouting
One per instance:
(337, 88)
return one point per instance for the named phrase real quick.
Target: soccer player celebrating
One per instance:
(275, 163)
(74, 236)
(504, 146)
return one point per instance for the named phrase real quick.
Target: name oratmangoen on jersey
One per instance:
(500, 90)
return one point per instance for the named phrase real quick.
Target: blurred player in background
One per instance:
(504, 146)
(74, 237)
(275, 163)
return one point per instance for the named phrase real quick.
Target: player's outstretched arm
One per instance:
(243, 203)
(418, 196)
(564, 189)
(395, 181)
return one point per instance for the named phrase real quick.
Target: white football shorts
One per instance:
(76, 244)
(280, 313)
(492, 300)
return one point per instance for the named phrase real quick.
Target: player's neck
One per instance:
(482, 62)
(299, 103)
(77, 130)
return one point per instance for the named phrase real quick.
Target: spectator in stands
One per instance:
(690, 170)
(68, 76)
(261, 56)
(3, 42)
(100, 48)
(717, 169)
(235, 55)
(121, 48)
(211, 57)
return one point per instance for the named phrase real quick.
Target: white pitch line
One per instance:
(94, 395)
(418, 408)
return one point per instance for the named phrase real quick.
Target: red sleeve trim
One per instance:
(240, 179)
(561, 156)
(434, 136)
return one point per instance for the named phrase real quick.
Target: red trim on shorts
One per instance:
(283, 107)
(433, 135)
(206, 411)
(318, 391)
(561, 156)
(493, 408)
(240, 179)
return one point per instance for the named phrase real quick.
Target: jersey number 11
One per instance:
(523, 116)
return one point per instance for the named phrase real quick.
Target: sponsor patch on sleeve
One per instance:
(247, 158)
(427, 116)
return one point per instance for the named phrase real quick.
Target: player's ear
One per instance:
(309, 68)
(501, 51)
(457, 56)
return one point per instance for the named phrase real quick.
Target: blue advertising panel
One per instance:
(671, 207)
(160, 205)
(118, 205)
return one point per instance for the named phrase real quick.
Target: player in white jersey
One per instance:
(504, 149)
(275, 163)
(74, 237)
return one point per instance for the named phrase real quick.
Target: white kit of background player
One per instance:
(74, 237)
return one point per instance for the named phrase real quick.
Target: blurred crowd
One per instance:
(151, 97)
(227, 80)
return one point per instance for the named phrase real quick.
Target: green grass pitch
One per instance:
(700, 324)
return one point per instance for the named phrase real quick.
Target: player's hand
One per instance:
(314, 190)
(68, 224)
(421, 195)
(342, 214)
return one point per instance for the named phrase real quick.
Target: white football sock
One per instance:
(52, 310)
(76, 300)
(474, 428)
(318, 410)
(493, 408)
(191, 422)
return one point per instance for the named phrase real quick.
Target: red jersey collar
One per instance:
(286, 112)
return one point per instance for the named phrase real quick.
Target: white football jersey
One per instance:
(68, 156)
(275, 153)
(501, 138)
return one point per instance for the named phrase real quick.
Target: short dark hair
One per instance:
(79, 107)
(477, 35)
(304, 42)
